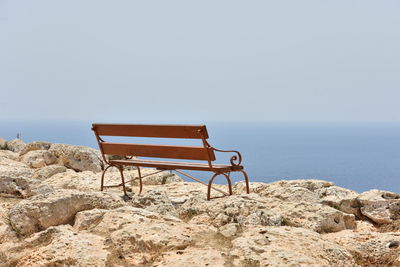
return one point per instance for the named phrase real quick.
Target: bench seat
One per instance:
(169, 165)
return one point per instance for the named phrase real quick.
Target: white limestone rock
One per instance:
(37, 145)
(57, 246)
(287, 246)
(78, 158)
(48, 171)
(13, 169)
(57, 207)
(16, 145)
(9, 155)
(244, 210)
(369, 248)
(38, 158)
(380, 206)
(155, 200)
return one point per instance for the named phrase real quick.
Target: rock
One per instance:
(286, 246)
(78, 158)
(48, 171)
(157, 179)
(314, 216)
(380, 206)
(340, 198)
(229, 230)
(22, 187)
(311, 191)
(194, 257)
(244, 210)
(369, 248)
(57, 207)
(16, 145)
(3, 144)
(137, 236)
(58, 246)
(37, 145)
(180, 192)
(83, 181)
(9, 155)
(155, 200)
(13, 169)
(38, 158)
(6, 232)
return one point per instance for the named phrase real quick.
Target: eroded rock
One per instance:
(58, 246)
(16, 145)
(79, 158)
(55, 208)
(155, 200)
(380, 206)
(48, 171)
(37, 145)
(286, 246)
(38, 158)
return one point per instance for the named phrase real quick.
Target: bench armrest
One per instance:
(235, 160)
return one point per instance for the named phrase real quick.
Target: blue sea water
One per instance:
(356, 156)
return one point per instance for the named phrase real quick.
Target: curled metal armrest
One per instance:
(235, 160)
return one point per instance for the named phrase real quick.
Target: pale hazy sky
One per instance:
(200, 60)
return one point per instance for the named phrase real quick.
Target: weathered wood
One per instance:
(158, 151)
(161, 131)
(169, 165)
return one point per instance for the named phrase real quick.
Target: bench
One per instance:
(129, 153)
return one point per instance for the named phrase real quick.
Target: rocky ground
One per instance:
(53, 214)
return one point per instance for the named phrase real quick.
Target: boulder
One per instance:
(382, 207)
(311, 191)
(340, 198)
(48, 171)
(286, 246)
(9, 155)
(16, 145)
(157, 179)
(22, 187)
(38, 158)
(37, 145)
(57, 207)
(369, 248)
(194, 257)
(3, 144)
(314, 216)
(57, 246)
(155, 200)
(136, 236)
(241, 209)
(13, 169)
(78, 158)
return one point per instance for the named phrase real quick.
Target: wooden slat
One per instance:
(158, 151)
(168, 165)
(148, 130)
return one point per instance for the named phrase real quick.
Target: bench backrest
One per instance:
(158, 131)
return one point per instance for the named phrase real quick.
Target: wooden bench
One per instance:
(130, 152)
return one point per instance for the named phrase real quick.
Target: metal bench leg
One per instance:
(140, 180)
(212, 179)
(247, 181)
(121, 171)
(102, 177)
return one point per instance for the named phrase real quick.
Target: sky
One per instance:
(193, 61)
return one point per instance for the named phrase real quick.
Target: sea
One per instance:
(358, 156)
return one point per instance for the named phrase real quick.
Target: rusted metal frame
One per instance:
(99, 141)
(208, 147)
(212, 179)
(208, 185)
(234, 158)
(136, 178)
